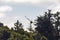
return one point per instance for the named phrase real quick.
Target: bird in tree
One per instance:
(30, 27)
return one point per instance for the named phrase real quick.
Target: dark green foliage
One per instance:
(7, 34)
(1, 24)
(44, 26)
(4, 33)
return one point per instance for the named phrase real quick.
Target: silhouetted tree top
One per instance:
(1, 24)
(18, 25)
(44, 25)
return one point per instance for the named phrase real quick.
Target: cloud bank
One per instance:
(28, 1)
(4, 10)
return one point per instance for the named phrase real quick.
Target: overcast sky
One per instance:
(12, 10)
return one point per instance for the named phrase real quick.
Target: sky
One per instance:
(13, 10)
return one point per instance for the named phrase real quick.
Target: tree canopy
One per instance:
(47, 28)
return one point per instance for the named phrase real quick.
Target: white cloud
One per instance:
(28, 1)
(4, 9)
(54, 8)
(21, 1)
(2, 15)
(38, 3)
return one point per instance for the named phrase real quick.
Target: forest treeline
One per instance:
(47, 28)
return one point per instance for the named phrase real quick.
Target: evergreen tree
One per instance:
(44, 25)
